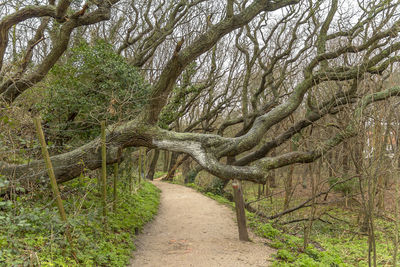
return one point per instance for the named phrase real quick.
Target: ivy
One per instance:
(91, 84)
(31, 230)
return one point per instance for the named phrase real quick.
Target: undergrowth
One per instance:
(32, 234)
(329, 247)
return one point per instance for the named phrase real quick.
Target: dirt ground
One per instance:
(194, 230)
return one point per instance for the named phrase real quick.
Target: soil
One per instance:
(194, 230)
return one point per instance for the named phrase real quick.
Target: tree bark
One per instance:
(166, 160)
(153, 165)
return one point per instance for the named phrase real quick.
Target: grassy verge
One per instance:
(31, 232)
(335, 244)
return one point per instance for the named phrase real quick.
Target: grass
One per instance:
(337, 244)
(31, 232)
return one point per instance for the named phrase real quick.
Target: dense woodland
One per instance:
(293, 101)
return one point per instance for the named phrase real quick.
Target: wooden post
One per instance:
(50, 170)
(53, 181)
(104, 167)
(115, 187)
(240, 213)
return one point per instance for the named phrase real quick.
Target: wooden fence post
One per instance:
(104, 167)
(53, 181)
(240, 212)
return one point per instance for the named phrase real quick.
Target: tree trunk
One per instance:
(288, 187)
(172, 160)
(272, 175)
(172, 171)
(166, 161)
(153, 165)
(289, 178)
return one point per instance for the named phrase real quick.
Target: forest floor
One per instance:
(194, 230)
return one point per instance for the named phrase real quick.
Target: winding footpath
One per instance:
(194, 230)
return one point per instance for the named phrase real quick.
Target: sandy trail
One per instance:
(194, 230)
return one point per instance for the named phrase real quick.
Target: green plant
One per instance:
(31, 231)
(345, 188)
(285, 255)
(93, 83)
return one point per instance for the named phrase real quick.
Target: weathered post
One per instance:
(50, 170)
(240, 213)
(53, 181)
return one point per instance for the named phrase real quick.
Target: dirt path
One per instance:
(194, 230)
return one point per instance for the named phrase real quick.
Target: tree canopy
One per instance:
(225, 82)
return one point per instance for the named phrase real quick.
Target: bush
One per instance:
(93, 83)
(216, 187)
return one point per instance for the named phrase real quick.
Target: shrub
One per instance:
(93, 83)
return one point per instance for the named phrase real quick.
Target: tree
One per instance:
(267, 60)
(63, 17)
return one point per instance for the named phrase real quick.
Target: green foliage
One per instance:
(31, 231)
(290, 248)
(285, 255)
(345, 188)
(93, 83)
(158, 174)
(266, 230)
(220, 199)
(6, 120)
(195, 187)
(217, 186)
(191, 176)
